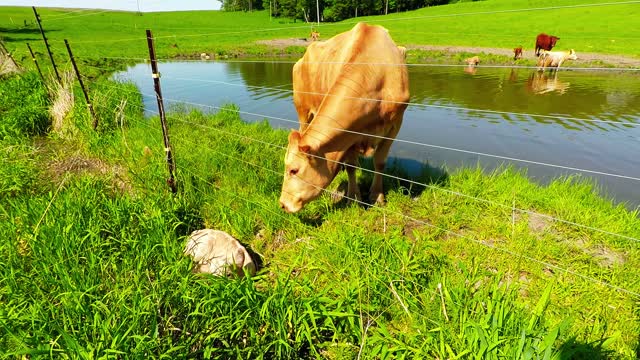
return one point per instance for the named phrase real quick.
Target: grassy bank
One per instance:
(93, 265)
(494, 24)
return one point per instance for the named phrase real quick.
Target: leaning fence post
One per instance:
(163, 121)
(84, 91)
(46, 43)
(35, 61)
(9, 55)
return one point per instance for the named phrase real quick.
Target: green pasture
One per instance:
(92, 262)
(581, 25)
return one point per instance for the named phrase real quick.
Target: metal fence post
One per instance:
(46, 43)
(35, 61)
(163, 121)
(84, 91)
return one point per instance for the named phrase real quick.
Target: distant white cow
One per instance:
(554, 59)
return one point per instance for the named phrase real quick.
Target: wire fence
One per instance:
(191, 168)
(383, 209)
(422, 144)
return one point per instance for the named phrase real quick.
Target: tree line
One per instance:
(330, 10)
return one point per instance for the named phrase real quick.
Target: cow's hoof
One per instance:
(377, 199)
(354, 196)
(339, 193)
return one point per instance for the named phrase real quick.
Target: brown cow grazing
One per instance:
(349, 104)
(517, 53)
(545, 42)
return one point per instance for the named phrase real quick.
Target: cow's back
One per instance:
(366, 52)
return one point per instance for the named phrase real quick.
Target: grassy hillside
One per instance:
(493, 23)
(93, 264)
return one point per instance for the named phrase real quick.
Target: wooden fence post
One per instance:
(84, 91)
(35, 61)
(163, 121)
(46, 43)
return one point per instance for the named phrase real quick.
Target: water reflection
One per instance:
(587, 118)
(545, 82)
(470, 69)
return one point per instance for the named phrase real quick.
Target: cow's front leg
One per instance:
(376, 194)
(353, 191)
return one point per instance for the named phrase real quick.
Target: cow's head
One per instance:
(553, 41)
(306, 174)
(572, 55)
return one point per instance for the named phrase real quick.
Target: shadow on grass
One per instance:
(6, 34)
(573, 349)
(407, 176)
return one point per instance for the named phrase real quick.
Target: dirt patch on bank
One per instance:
(583, 57)
(615, 60)
(284, 43)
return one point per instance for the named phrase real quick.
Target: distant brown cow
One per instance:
(545, 42)
(517, 53)
(315, 36)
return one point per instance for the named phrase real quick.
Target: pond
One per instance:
(572, 122)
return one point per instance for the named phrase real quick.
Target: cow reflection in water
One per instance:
(470, 69)
(542, 83)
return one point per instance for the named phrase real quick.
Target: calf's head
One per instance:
(306, 174)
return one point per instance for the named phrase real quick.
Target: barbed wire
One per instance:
(419, 143)
(45, 21)
(292, 62)
(435, 16)
(403, 179)
(464, 237)
(447, 107)
(530, 212)
(280, 174)
(278, 214)
(348, 23)
(65, 14)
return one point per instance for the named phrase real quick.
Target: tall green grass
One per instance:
(24, 104)
(93, 264)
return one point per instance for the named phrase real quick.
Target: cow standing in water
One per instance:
(350, 93)
(554, 59)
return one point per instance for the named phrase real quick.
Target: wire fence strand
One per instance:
(419, 143)
(461, 236)
(399, 178)
(414, 182)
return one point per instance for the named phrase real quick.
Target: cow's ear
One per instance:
(294, 136)
(306, 149)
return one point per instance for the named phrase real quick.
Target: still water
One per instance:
(574, 119)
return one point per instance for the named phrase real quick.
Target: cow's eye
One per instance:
(293, 172)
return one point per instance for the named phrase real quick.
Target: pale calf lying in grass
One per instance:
(218, 253)
(555, 59)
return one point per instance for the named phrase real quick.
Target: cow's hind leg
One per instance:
(376, 194)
